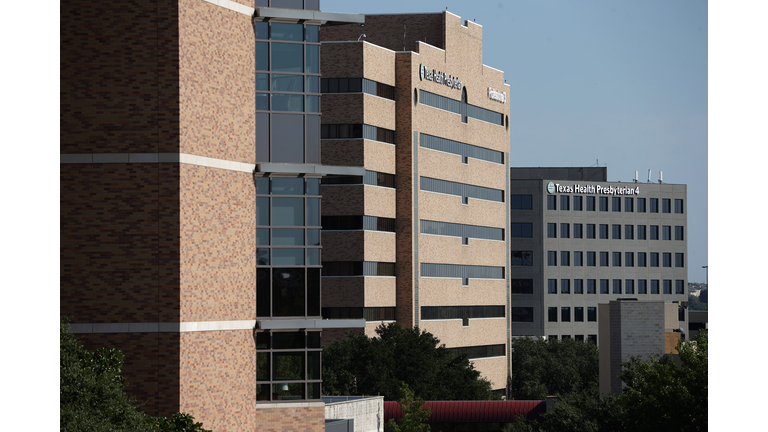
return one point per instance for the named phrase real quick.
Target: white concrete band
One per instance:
(233, 6)
(190, 159)
(171, 327)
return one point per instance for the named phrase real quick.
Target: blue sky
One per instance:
(616, 81)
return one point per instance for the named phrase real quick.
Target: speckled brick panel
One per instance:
(450, 292)
(378, 246)
(119, 242)
(304, 419)
(218, 244)
(448, 208)
(151, 367)
(216, 82)
(483, 331)
(449, 250)
(494, 370)
(379, 64)
(379, 112)
(379, 157)
(380, 201)
(218, 376)
(119, 77)
(448, 166)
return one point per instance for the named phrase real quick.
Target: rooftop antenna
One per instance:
(635, 176)
(660, 177)
(361, 36)
(649, 175)
(404, 36)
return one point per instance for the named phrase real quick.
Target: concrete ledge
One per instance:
(178, 327)
(309, 169)
(268, 405)
(310, 324)
(324, 17)
(233, 6)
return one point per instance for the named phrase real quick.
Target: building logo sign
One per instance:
(593, 189)
(497, 96)
(439, 77)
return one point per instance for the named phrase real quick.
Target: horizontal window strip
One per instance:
(372, 178)
(461, 312)
(454, 106)
(367, 313)
(370, 223)
(358, 268)
(461, 230)
(461, 271)
(356, 85)
(481, 351)
(357, 131)
(461, 189)
(461, 149)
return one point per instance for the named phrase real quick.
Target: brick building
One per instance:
(419, 238)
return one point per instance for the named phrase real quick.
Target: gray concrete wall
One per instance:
(368, 412)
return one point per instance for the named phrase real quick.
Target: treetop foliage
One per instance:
(414, 414)
(361, 365)
(542, 368)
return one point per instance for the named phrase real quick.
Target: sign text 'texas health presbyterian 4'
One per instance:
(592, 189)
(439, 77)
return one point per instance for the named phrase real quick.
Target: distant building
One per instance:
(697, 321)
(634, 328)
(578, 241)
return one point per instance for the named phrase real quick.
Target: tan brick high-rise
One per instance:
(421, 239)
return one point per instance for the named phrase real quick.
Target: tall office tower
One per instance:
(190, 202)
(578, 241)
(419, 238)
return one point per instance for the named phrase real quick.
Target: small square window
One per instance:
(603, 286)
(565, 230)
(551, 286)
(641, 205)
(565, 286)
(604, 204)
(551, 202)
(590, 203)
(565, 202)
(552, 315)
(565, 315)
(577, 200)
(578, 315)
(617, 286)
(616, 204)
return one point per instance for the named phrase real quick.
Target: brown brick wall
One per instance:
(341, 60)
(342, 153)
(342, 108)
(404, 196)
(119, 77)
(218, 244)
(119, 242)
(387, 31)
(343, 291)
(151, 367)
(342, 200)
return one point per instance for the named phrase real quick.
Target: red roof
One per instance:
(473, 411)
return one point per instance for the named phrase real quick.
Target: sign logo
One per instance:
(497, 96)
(439, 77)
(551, 187)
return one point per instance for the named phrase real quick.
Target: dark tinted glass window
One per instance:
(628, 204)
(565, 230)
(565, 258)
(679, 233)
(679, 260)
(641, 235)
(591, 259)
(616, 204)
(551, 286)
(521, 286)
(666, 205)
(551, 258)
(520, 202)
(521, 230)
(666, 232)
(654, 232)
(629, 232)
(577, 203)
(641, 259)
(654, 286)
(629, 286)
(565, 202)
(287, 292)
(578, 230)
(592, 317)
(603, 286)
(617, 286)
(565, 315)
(603, 231)
(578, 315)
(641, 205)
(678, 206)
(590, 203)
(287, 57)
(551, 202)
(617, 259)
(616, 231)
(604, 259)
(642, 286)
(654, 259)
(590, 231)
(667, 256)
(552, 314)
(551, 230)
(522, 258)
(654, 205)
(578, 286)
(604, 204)
(591, 286)
(578, 258)
(629, 259)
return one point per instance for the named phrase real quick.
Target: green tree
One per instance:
(695, 304)
(414, 413)
(662, 396)
(362, 365)
(542, 368)
(92, 396)
(704, 296)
